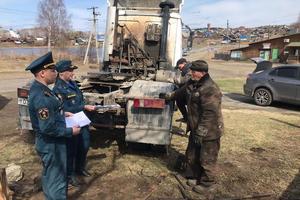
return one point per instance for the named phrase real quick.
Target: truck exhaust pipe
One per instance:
(165, 9)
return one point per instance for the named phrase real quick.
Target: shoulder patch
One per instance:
(43, 113)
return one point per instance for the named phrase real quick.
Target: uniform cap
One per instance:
(199, 65)
(65, 65)
(43, 62)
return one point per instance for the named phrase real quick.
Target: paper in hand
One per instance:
(78, 119)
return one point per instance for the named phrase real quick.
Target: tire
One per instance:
(263, 97)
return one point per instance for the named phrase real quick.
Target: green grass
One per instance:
(278, 137)
(231, 85)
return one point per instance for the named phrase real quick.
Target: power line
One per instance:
(10, 13)
(18, 11)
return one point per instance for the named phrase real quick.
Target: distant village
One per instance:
(243, 33)
(278, 43)
(36, 37)
(226, 35)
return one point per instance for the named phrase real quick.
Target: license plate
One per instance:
(23, 101)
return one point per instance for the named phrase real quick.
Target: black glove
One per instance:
(200, 133)
(166, 96)
(198, 140)
(162, 95)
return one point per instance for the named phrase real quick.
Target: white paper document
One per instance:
(78, 119)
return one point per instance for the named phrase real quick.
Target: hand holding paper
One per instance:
(77, 119)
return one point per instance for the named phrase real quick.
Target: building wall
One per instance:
(278, 43)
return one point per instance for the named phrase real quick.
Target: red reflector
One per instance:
(148, 103)
(23, 93)
(136, 103)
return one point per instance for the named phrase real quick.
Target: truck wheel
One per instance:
(263, 97)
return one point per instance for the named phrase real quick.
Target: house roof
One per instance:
(239, 49)
(294, 44)
(262, 41)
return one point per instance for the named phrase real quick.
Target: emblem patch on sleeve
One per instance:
(43, 113)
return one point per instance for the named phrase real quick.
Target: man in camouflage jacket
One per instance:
(205, 123)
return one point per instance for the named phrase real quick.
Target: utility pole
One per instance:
(227, 30)
(93, 31)
(49, 38)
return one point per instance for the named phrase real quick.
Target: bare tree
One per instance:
(53, 18)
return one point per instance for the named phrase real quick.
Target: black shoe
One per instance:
(181, 120)
(84, 173)
(73, 181)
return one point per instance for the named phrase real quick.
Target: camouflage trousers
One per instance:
(202, 159)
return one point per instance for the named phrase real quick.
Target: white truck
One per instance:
(143, 41)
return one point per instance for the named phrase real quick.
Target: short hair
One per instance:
(181, 61)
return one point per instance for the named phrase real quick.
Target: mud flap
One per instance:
(149, 125)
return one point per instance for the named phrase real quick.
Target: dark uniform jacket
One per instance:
(73, 102)
(48, 122)
(47, 117)
(204, 108)
(70, 94)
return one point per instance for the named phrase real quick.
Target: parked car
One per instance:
(17, 42)
(269, 84)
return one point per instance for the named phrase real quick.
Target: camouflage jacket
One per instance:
(204, 108)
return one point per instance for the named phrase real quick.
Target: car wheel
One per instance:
(263, 97)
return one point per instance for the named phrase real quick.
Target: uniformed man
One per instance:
(72, 98)
(48, 122)
(205, 123)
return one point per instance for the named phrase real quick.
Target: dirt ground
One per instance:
(259, 156)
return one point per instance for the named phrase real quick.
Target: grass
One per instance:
(259, 152)
(231, 85)
(259, 149)
(259, 155)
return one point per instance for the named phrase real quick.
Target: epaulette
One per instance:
(71, 95)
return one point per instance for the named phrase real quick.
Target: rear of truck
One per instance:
(142, 43)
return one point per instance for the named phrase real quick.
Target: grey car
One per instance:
(269, 84)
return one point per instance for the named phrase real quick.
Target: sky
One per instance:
(18, 14)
